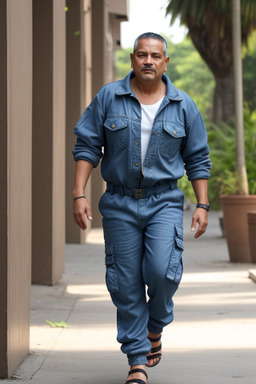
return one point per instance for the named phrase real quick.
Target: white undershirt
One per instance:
(148, 113)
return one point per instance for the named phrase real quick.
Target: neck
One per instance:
(148, 93)
(146, 87)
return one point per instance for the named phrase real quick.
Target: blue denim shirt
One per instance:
(111, 127)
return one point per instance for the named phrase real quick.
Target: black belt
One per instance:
(143, 192)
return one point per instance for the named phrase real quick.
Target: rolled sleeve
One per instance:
(195, 150)
(90, 134)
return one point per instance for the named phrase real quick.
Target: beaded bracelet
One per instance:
(79, 197)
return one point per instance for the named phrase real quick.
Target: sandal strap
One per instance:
(155, 356)
(154, 340)
(156, 349)
(138, 370)
(138, 381)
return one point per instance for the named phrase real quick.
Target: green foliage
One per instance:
(194, 13)
(123, 63)
(185, 185)
(222, 142)
(55, 324)
(229, 183)
(182, 8)
(249, 73)
(250, 149)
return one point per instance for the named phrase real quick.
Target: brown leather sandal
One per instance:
(138, 381)
(154, 351)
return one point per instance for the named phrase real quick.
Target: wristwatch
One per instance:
(204, 206)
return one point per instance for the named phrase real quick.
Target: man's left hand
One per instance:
(200, 217)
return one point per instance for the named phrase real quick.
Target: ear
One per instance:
(166, 62)
(131, 58)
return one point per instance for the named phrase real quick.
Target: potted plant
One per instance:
(236, 206)
(225, 187)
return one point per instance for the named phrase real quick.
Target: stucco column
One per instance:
(15, 181)
(48, 193)
(79, 90)
(106, 18)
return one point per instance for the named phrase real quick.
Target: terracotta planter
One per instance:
(235, 209)
(252, 234)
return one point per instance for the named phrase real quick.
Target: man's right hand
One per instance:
(81, 210)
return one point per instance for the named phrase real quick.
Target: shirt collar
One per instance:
(172, 92)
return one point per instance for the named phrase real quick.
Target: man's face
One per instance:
(149, 61)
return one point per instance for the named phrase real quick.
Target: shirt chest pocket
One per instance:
(116, 130)
(172, 135)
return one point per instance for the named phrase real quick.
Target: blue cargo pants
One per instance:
(143, 246)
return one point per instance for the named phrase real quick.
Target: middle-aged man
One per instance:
(149, 131)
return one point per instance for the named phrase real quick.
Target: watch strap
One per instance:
(204, 206)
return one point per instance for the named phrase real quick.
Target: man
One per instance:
(149, 131)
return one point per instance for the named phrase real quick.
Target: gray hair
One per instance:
(150, 35)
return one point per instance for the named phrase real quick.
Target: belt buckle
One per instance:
(138, 193)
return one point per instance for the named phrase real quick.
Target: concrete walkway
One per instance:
(212, 340)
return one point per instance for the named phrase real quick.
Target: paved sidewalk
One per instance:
(211, 341)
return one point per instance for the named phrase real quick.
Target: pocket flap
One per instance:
(109, 260)
(179, 243)
(115, 124)
(174, 130)
(109, 249)
(179, 231)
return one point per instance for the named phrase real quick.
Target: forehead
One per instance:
(152, 45)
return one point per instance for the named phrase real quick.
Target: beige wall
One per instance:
(59, 140)
(3, 191)
(15, 271)
(118, 7)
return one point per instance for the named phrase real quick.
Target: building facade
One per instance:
(55, 56)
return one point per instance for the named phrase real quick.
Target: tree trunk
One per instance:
(212, 37)
(223, 103)
(240, 155)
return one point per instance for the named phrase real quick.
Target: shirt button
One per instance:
(136, 144)
(113, 125)
(174, 132)
(155, 133)
(136, 164)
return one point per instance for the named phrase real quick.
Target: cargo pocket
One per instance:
(175, 268)
(111, 271)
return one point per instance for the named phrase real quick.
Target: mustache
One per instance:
(146, 68)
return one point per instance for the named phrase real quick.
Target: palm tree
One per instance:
(210, 27)
(240, 155)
